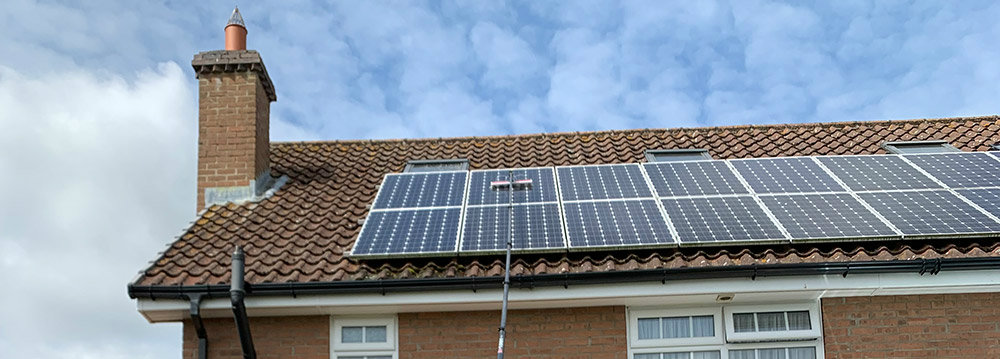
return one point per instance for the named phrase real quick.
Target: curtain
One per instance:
(706, 355)
(351, 335)
(741, 354)
(703, 326)
(799, 320)
(375, 334)
(743, 322)
(649, 328)
(771, 353)
(647, 356)
(770, 322)
(677, 327)
(802, 353)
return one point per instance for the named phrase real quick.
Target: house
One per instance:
(297, 209)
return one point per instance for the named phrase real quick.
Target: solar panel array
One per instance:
(686, 203)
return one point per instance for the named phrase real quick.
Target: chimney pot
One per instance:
(236, 32)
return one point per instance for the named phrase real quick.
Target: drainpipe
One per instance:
(236, 293)
(199, 326)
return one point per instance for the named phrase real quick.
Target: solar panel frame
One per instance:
(723, 179)
(858, 176)
(953, 169)
(646, 208)
(788, 209)
(551, 213)
(678, 208)
(948, 208)
(544, 188)
(383, 196)
(607, 176)
(376, 219)
(786, 175)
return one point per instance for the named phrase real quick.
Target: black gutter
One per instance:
(236, 294)
(921, 266)
(199, 325)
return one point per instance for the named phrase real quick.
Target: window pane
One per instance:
(799, 320)
(703, 326)
(802, 353)
(743, 322)
(706, 355)
(677, 327)
(741, 354)
(380, 357)
(350, 357)
(375, 334)
(676, 355)
(771, 353)
(647, 356)
(351, 335)
(649, 328)
(772, 321)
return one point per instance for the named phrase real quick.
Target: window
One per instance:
(909, 147)
(459, 164)
(363, 338)
(695, 154)
(786, 331)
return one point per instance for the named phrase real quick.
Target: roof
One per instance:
(302, 232)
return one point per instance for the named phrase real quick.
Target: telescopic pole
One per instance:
(506, 272)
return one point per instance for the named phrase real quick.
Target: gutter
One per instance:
(920, 266)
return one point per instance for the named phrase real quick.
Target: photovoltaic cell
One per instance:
(615, 223)
(929, 212)
(874, 173)
(825, 216)
(602, 182)
(671, 179)
(409, 231)
(987, 198)
(536, 226)
(786, 175)
(543, 186)
(720, 219)
(432, 189)
(958, 170)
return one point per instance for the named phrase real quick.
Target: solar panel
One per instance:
(693, 178)
(987, 198)
(930, 212)
(958, 170)
(412, 190)
(409, 232)
(543, 186)
(602, 182)
(720, 219)
(615, 223)
(786, 175)
(536, 226)
(837, 215)
(873, 173)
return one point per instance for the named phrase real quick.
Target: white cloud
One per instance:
(99, 175)
(510, 63)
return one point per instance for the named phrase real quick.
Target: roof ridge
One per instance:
(669, 129)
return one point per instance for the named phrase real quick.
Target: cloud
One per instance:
(99, 177)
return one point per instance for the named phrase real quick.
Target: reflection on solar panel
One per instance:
(431, 189)
(719, 219)
(872, 173)
(987, 198)
(409, 231)
(615, 223)
(786, 175)
(693, 178)
(543, 186)
(602, 182)
(825, 216)
(929, 212)
(536, 226)
(961, 169)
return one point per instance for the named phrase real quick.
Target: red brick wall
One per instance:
(305, 337)
(578, 333)
(233, 121)
(913, 326)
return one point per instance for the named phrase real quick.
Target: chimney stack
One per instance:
(234, 101)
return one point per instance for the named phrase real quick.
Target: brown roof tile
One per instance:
(301, 233)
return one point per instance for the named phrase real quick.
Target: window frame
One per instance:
(410, 165)
(633, 322)
(816, 343)
(650, 154)
(815, 322)
(338, 348)
(899, 147)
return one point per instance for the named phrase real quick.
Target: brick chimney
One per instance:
(234, 100)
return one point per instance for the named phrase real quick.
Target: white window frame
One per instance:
(633, 323)
(681, 349)
(817, 344)
(338, 348)
(751, 337)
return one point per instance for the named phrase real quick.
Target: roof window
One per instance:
(910, 147)
(457, 164)
(678, 155)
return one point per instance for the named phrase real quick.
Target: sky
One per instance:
(98, 106)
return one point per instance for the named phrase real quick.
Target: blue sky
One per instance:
(98, 106)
